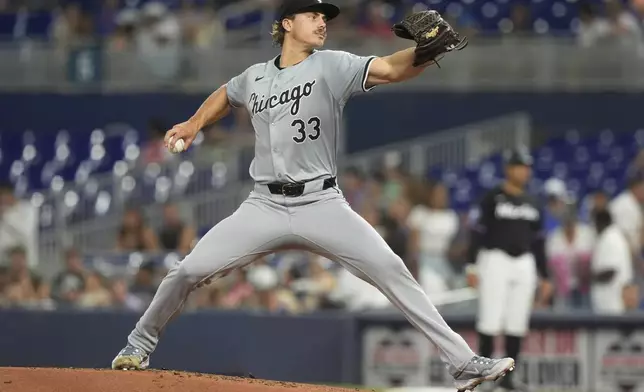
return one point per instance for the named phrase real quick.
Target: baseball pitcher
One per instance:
(295, 101)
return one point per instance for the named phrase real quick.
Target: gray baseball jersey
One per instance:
(297, 112)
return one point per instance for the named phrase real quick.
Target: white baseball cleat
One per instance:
(481, 369)
(131, 358)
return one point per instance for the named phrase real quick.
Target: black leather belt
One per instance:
(295, 189)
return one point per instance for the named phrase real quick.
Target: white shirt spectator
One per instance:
(627, 215)
(19, 227)
(159, 40)
(436, 228)
(560, 250)
(611, 253)
(628, 28)
(593, 31)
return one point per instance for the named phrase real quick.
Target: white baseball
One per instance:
(177, 146)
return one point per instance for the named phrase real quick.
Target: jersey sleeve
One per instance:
(236, 90)
(346, 73)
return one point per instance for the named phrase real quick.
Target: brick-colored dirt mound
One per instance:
(88, 380)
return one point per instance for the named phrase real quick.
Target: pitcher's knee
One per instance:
(390, 265)
(188, 274)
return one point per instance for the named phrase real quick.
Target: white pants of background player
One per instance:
(507, 288)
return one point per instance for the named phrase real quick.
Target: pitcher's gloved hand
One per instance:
(433, 35)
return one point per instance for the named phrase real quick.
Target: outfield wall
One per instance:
(563, 353)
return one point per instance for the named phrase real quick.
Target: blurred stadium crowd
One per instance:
(149, 25)
(426, 222)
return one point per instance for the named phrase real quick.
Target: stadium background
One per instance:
(89, 88)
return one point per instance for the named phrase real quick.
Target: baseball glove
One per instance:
(433, 35)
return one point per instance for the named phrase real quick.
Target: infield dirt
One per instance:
(101, 380)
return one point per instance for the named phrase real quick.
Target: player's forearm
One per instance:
(213, 109)
(401, 66)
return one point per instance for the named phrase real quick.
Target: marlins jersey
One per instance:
(297, 112)
(510, 223)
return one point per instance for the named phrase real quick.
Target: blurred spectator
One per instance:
(592, 203)
(626, 212)
(521, 17)
(611, 267)
(569, 249)
(212, 31)
(354, 188)
(134, 234)
(396, 232)
(144, 286)
(200, 25)
(175, 235)
(22, 281)
(556, 203)
(638, 8)
(593, 28)
(69, 284)
(457, 252)
(190, 17)
(95, 295)
(18, 224)
(122, 299)
(625, 28)
(636, 168)
(314, 288)
(433, 225)
(239, 292)
(378, 20)
(207, 297)
(4, 280)
(375, 185)
(395, 181)
(159, 40)
(123, 36)
(269, 294)
(42, 299)
(154, 150)
(373, 216)
(70, 27)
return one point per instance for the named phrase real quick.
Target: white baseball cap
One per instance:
(555, 187)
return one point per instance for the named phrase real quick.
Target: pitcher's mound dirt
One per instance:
(89, 380)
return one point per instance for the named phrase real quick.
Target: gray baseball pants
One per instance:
(320, 221)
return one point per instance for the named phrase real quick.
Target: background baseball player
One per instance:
(508, 248)
(295, 102)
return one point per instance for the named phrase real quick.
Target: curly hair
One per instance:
(278, 32)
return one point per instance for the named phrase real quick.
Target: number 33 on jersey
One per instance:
(297, 112)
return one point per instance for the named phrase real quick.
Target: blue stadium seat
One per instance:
(585, 164)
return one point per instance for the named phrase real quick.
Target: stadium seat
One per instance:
(585, 164)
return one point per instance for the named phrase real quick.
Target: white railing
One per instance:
(456, 147)
(453, 147)
(510, 63)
